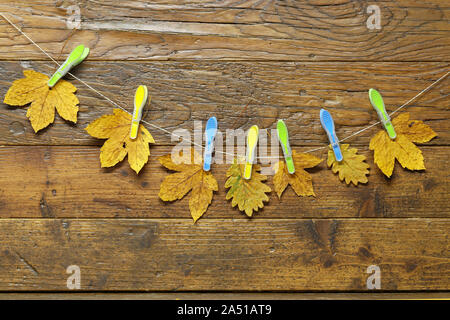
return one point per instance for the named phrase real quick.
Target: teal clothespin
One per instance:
(283, 137)
(76, 57)
(328, 125)
(378, 104)
(210, 133)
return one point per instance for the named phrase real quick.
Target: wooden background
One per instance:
(284, 59)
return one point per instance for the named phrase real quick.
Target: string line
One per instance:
(84, 82)
(200, 145)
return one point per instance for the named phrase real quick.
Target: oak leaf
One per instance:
(352, 168)
(402, 147)
(190, 177)
(249, 195)
(300, 180)
(116, 128)
(44, 100)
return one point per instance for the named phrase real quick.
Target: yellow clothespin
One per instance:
(252, 140)
(140, 99)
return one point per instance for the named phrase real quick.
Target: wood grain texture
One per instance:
(240, 94)
(183, 296)
(245, 62)
(68, 182)
(233, 29)
(173, 255)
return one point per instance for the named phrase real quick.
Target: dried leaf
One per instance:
(190, 176)
(300, 180)
(116, 128)
(34, 89)
(402, 148)
(249, 195)
(352, 168)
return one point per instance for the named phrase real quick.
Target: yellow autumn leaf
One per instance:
(190, 177)
(352, 168)
(300, 180)
(402, 147)
(250, 194)
(116, 128)
(34, 89)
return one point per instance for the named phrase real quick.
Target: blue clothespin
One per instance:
(210, 133)
(328, 126)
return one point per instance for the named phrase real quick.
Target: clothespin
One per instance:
(140, 99)
(210, 133)
(378, 104)
(252, 140)
(283, 137)
(328, 125)
(75, 58)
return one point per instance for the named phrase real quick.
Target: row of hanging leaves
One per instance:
(248, 195)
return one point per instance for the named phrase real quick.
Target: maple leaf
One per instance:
(34, 89)
(250, 194)
(352, 168)
(190, 177)
(116, 128)
(402, 147)
(300, 180)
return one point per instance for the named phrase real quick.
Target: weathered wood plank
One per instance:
(68, 182)
(225, 255)
(294, 30)
(225, 296)
(185, 92)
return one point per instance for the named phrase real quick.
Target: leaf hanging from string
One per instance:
(34, 89)
(190, 177)
(116, 128)
(300, 180)
(402, 147)
(249, 195)
(352, 168)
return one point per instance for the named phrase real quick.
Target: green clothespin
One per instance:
(378, 104)
(76, 56)
(283, 136)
